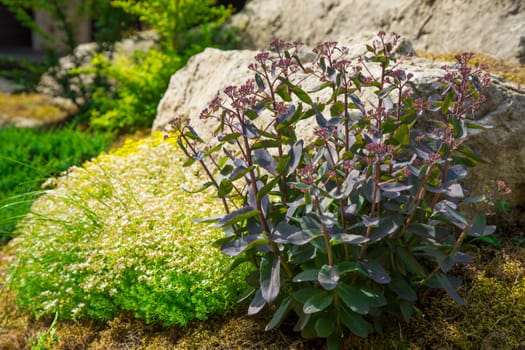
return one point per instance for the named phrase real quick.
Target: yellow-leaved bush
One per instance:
(117, 235)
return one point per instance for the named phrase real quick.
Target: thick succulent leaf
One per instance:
(349, 238)
(318, 302)
(302, 295)
(456, 172)
(480, 228)
(387, 226)
(257, 303)
(270, 278)
(262, 157)
(370, 221)
(394, 187)
(337, 109)
(239, 171)
(455, 191)
(375, 298)
(409, 261)
(469, 155)
(477, 126)
(407, 309)
(335, 341)
(311, 224)
(282, 91)
(351, 266)
(351, 180)
(259, 81)
(386, 91)
(301, 237)
(443, 281)
(375, 271)
(192, 134)
(402, 288)
(446, 211)
(208, 219)
(282, 231)
(286, 116)
(280, 314)
(358, 103)
(355, 323)
(354, 298)
(328, 277)
(319, 118)
(236, 216)
(264, 190)
(225, 187)
(236, 247)
(200, 189)
(266, 143)
(264, 200)
(325, 326)
(229, 137)
(300, 254)
(422, 230)
(306, 276)
(249, 130)
(302, 321)
(300, 93)
(296, 153)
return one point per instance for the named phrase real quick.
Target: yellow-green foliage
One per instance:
(141, 81)
(29, 106)
(116, 235)
(513, 72)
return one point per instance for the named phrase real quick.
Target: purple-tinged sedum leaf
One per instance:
(480, 228)
(318, 302)
(270, 278)
(280, 314)
(263, 158)
(375, 271)
(236, 216)
(328, 277)
(354, 298)
(257, 303)
(296, 153)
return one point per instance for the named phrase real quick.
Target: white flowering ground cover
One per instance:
(117, 235)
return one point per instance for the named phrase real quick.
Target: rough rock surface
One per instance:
(7, 86)
(496, 28)
(207, 73)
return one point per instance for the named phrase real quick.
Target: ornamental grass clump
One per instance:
(113, 236)
(351, 227)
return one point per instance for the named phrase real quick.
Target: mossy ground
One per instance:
(31, 106)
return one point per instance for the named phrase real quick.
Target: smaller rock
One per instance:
(8, 87)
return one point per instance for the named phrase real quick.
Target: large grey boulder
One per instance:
(496, 28)
(208, 73)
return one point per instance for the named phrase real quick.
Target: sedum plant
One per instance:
(350, 227)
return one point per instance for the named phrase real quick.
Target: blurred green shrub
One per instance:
(141, 82)
(185, 27)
